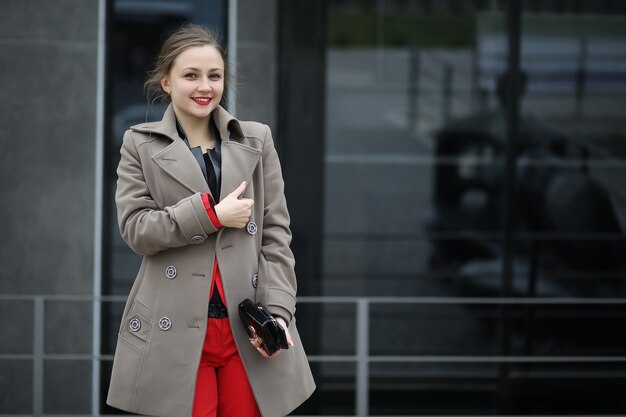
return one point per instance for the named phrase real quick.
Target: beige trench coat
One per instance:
(161, 216)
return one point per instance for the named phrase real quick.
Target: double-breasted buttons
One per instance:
(165, 323)
(171, 272)
(197, 239)
(251, 228)
(255, 280)
(134, 324)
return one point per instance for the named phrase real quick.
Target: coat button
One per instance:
(165, 323)
(171, 272)
(251, 228)
(255, 280)
(134, 324)
(197, 239)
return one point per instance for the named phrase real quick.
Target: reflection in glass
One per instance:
(416, 138)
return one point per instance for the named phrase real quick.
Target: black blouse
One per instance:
(210, 162)
(211, 165)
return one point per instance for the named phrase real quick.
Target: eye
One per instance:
(215, 77)
(190, 75)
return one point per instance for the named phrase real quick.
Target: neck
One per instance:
(197, 131)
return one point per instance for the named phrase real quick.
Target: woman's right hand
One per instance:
(257, 345)
(233, 211)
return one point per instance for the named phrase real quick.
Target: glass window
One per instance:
(413, 146)
(416, 140)
(571, 153)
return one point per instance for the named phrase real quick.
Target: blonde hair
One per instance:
(188, 36)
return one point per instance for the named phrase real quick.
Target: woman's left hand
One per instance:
(261, 351)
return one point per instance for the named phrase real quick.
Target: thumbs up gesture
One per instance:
(233, 211)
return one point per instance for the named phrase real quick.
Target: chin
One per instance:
(203, 113)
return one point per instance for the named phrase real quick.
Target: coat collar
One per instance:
(176, 159)
(226, 123)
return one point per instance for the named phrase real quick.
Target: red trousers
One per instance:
(222, 386)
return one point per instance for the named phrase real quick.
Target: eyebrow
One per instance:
(197, 69)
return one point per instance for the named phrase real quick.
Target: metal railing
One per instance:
(361, 358)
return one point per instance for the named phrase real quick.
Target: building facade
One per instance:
(453, 170)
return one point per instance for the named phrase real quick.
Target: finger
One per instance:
(283, 323)
(249, 202)
(258, 347)
(239, 190)
(262, 352)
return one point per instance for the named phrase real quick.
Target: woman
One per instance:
(200, 196)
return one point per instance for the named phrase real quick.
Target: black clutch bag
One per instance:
(262, 326)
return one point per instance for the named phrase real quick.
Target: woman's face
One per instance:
(196, 82)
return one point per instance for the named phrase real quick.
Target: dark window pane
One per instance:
(476, 388)
(476, 329)
(335, 391)
(330, 328)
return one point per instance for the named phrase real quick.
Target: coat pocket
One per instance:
(136, 326)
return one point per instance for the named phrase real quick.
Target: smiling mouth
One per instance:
(203, 101)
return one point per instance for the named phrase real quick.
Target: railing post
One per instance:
(96, 357)
(38, 352)
(581, 76)
(362, 354)
(446, 94)
(413, 90)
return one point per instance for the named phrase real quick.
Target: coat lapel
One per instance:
(238, 162)
(238, 159)
(178, 161)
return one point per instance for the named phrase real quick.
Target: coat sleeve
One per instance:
(277, 236)
(145, 227)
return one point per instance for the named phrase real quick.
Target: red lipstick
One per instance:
(202, 101)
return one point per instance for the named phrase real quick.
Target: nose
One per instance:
(205, 86)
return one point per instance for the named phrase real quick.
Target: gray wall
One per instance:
(48, 59)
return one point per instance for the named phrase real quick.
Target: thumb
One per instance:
(239, 190)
